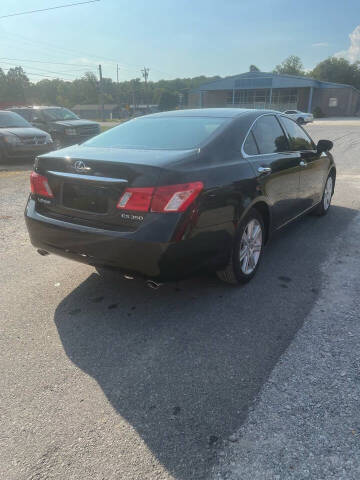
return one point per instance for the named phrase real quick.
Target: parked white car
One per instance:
(300, 117)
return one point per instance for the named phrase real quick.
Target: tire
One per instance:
(324, 206)
(300, 121)
(245, 258)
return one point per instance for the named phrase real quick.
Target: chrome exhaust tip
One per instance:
(152, 284)
(128, 277)
(42, 252)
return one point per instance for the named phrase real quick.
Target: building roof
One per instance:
(259, 80)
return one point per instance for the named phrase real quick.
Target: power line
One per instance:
(50, 8)
(52, 63)
(68, 74)
(46, 76)
(67, 51)
(77, 52)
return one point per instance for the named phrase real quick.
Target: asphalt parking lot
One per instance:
(117, 381)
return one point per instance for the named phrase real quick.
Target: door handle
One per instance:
(263, 170)
(303, 164)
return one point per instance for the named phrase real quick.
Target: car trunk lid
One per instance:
(88, 182)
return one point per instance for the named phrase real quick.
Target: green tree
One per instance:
(291, 66)
(168, 100)
(16, 88)
(338, 70)
(254, 68)
(3, 86)
(17, 85)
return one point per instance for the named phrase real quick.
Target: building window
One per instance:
(280, 98)
(333, 102)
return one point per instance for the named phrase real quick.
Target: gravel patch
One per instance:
(306, 423)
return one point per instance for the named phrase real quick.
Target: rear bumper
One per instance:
(126, 251)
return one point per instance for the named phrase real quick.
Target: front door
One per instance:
(314, 166)
(278, 170)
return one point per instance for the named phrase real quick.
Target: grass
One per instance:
(103, 129)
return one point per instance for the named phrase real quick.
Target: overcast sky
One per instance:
(175, 38)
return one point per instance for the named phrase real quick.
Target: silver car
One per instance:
(300, 117)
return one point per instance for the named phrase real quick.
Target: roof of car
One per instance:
(210, 112)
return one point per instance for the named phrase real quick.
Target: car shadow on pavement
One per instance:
(182, 364)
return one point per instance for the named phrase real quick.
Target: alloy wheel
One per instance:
(328, 193)
(250, 246)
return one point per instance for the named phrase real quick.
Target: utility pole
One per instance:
(117, 73)
(145, 74)
(101, 96)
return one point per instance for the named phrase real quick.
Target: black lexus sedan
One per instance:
(64, 126)
(166, 195)
(20, 139)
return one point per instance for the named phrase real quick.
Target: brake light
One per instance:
(175, 198)
(138, 199)
(40, 186)
(170, 198)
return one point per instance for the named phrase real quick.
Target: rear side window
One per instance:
(250, 147)
(299, 140)
(269, 135)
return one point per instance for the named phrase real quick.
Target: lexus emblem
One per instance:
(80, 166)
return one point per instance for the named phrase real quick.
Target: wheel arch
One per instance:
(264, 209)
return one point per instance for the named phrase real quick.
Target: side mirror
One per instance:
(324, 146)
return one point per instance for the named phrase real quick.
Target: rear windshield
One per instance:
(161, 133)
(12, 120)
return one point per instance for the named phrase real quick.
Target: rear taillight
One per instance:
(138, 199)
(40, 186)
(175, 198)
(170, 198)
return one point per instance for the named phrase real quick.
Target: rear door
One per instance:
(314, 166)
(277, 169)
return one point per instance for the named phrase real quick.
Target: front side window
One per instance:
(159, 133)
(269, 135)
(298, 138)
